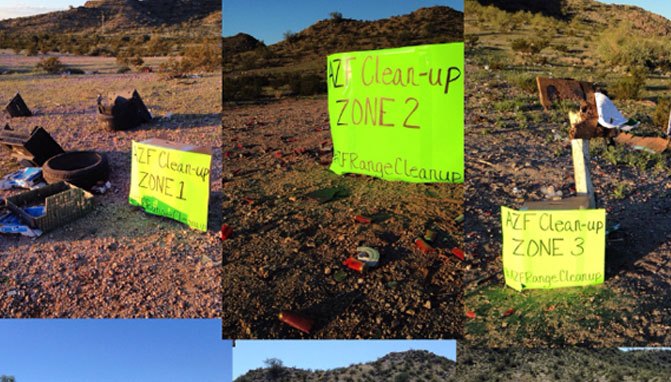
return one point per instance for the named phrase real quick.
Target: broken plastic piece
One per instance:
(328, 194)
(370, 256)
(36, 148)
(29, 177)
(226, 232)
(17, 107)
(471, 314)
(362, 219)
(354, 264)
(458, 253)
(508, 312)
(430, 235)
(297, 321)
(424, 246)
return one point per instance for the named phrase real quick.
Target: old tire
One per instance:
(82, 168)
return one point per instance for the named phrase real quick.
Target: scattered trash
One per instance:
(328, 194)
(610, 117)
(508, 312)
(297, 321)
(424, 246)
(354, 264)
(370, 256)
(63, 203)
(458, 253)
(471, 314)
(124, 113)
(101, 188)
(34, 149)
(226, 232)
(430, 235)
(654, 145)
(362, 219)
(17, 107)
(84, 169)
(550, 193)
(12, 224)
(614, 228)
(340, 276)
(29, 177)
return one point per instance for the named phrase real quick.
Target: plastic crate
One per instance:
(63, 202)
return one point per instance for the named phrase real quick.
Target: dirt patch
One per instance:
(287, 249)
(117, 261)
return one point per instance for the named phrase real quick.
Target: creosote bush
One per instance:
(51, 65)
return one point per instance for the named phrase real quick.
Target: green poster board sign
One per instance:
(553, 249)
(398, 114)
(171, 180)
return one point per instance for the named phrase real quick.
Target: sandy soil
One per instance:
(117, 261)
(287, 250)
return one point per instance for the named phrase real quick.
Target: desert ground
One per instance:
(514, 149)
(286, 251)
(117, 261)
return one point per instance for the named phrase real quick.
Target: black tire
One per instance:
(82, 168)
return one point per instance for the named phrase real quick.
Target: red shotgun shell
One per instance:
(226, 232)
(424, 246)
(296, 321)
(362, 219)
(458, 253)
(354, 264)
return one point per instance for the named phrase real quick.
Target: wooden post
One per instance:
(581, 162)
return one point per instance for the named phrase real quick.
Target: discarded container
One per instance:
(12, 224)
(362, 219)
(226, 232)
(297, 321)
(424, 246)
(458, 253)
(124, 113)
(17, 107)
(368, 255)
(35, 148)
(29, 177)
(355, 264)
(84, 169)
(63, 203)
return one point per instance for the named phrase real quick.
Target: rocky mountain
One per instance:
(410, 366)
(111, 16)
(566, 364)
(337, 34)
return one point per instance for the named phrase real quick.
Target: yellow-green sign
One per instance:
(398, 114)
(170, 182)
(553, 249)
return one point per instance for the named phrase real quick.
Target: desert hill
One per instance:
(114, 16)
(410, 366)
(567, 364)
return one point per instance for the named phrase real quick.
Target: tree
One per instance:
(336, 16)
(275, 368)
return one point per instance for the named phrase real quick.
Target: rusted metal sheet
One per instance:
(654, 144)
(552, 90)
(17, 107)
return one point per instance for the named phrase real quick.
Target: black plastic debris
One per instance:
(33, 149)
(124, 113)
(17, 107)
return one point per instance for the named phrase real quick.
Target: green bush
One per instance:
(662, 110)
(529, 46)
(629, 87)
(51, 65)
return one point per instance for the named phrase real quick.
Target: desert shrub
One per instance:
(276, 369)
(290, 37)
(629, 87)
(123, 69)
(525, 81)
(530, 45)
(136, 61)
(306, 85)
(625, 47)
(662, 110)
(51, 65)
(248, 88)
(472, 41)
(204, 56)
(336, 16)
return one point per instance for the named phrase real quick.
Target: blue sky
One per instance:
(327, 354)
(659, 7)
(267, 20)
(114, 351)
